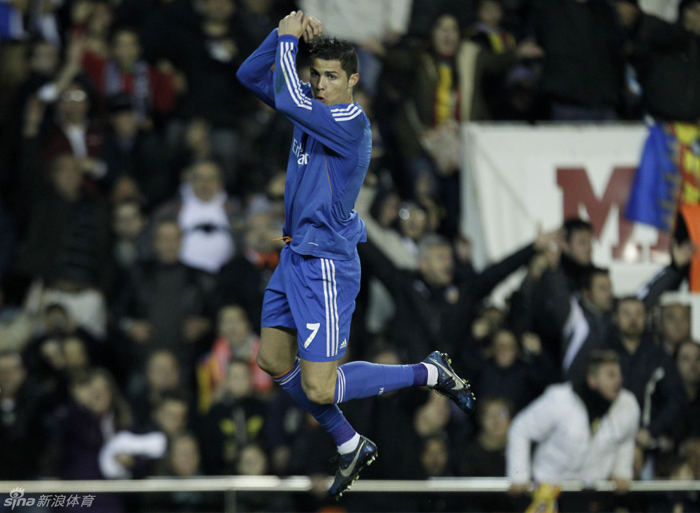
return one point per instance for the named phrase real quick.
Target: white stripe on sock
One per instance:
(350, 445)
(432, 374)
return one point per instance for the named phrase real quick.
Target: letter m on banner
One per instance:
(578, 191)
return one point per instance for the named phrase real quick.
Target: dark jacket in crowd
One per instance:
(67, 241)
(652, 376)
(429, 318)
(583, 46)
(670, 72)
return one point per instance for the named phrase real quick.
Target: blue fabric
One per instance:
(363, 379)
(316, 297)
(652, 199)
(329, 157)
(328, 415)
(5, 21)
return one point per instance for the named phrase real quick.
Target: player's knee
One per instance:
(270, 365)
(318, 393)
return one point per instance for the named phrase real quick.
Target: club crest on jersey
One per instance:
(298, 150)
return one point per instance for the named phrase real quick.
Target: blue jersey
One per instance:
(329, 156)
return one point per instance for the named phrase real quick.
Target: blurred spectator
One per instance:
(207, 217)
(131, 151)
(93, 20)
(690, 449)
(565, 272)
(518, 376)
(674, 325)
(284, 422)
(67, 245)
(165, 303)
(432, 293)
(235, 419)
(151, 17)
(378, 206)
(253, 461)
(22, 427)
(584, 433)
(61, 222)
(242, 281)
(236, 341)
(366, 24)
(183, 461)
(74, 131)
(125, 72)
(17, 324)
(584, 65)
(435, 457)
(262, 16)
(447, 89)
(162, 375)
(59, 351)
(635, 24)
(676, 468)
(485, 455)
(494, 40)
(670, 74)
(425, 12)
(128, 226)
(650, 374)
(171, 414)
(208, 53)
(687, 358)
(95, 414)
(589, 323)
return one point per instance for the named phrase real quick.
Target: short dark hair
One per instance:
(590, 274)
(575, 224)
(625, 299)
(332, 49)
(600, 357)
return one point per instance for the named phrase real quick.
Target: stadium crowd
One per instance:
(141, 191)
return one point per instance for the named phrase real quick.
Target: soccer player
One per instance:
(311, 296)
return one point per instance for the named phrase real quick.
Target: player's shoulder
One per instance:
(344, 112)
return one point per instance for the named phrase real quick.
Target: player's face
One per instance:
(330, 83)
(607, 380)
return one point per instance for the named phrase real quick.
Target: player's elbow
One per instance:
(242, 77)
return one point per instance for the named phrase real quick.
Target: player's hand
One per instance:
(294, 24)
(313, 30)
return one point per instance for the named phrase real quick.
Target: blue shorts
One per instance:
(316, 297)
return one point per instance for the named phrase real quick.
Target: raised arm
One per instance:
(256, 71)
(337, 127)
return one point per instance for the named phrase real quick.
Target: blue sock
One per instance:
(328, 415)
(363, 379)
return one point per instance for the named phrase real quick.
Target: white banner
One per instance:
(516, 177)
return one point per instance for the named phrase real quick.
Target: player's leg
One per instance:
(322, 298)
(278, 355)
